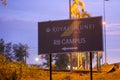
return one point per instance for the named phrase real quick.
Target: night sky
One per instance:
(19, 22)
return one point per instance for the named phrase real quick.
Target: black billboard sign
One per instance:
(76, 35)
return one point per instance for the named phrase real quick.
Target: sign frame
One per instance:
(72, 35)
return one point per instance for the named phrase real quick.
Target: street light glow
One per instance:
(36, 59)
(104, 23)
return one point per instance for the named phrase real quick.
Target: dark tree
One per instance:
(2, 45)
(47, 62)
(62, 61)
(20, 52)
(8, 51)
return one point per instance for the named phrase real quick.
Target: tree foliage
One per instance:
(62, 61)
(8, 51)
(20, 52)
(59, 61)
(2, 59)
(15, 52)
(47, 62)
(2, 45)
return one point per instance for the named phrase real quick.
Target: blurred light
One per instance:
(36, 59)
(104, 23)
(68, 66)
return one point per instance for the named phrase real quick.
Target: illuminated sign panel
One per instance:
(75, 35)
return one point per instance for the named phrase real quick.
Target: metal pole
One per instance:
(71, 66)
(104, 31)
(50, 55)
(25, 55)
(90, 65)
(71, 69)
(70, 9)
(78, 60)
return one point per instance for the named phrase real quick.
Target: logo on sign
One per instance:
(48, 29)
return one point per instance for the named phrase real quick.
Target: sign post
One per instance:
(50, 55)
(74, 35)
(90, 65)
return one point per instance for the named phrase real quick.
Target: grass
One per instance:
(20, 71)
(96, 76)
(33, 73)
